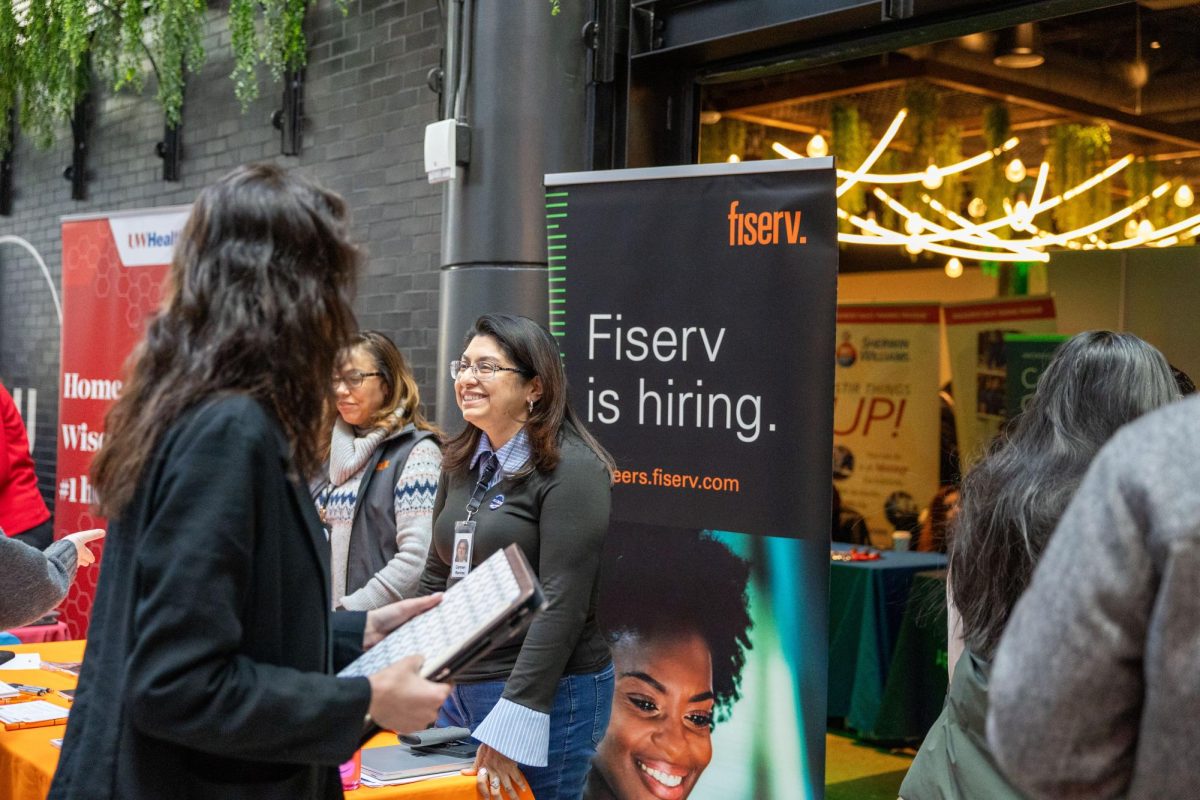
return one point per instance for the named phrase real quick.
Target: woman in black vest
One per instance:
(375, 495)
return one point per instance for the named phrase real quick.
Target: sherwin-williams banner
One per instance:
(113, 270)
(886, 411)
(978, 366)
(695, 309)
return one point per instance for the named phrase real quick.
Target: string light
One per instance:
(923, 235)
(733, 158)
(1015, 171)
(817, 146)
(954, 268)
(933, 177)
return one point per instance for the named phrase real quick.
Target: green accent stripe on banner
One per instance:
(559, 215)
(556, 205)
(557, 301)
(557, 280)
(556, 194)
(552, 226)
(558, 258)
(557, 236)
(557, 267)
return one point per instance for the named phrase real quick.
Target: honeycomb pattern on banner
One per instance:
(105, 306)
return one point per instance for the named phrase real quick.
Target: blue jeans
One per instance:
(578, 720)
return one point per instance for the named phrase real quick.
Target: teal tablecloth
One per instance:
(915, 689)
(867, 601)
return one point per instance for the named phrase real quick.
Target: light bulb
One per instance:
(954, 268)
(733, 158)
(913, 226)
(1015, 171)
(1184, 196)
(1130, 230)
(817, 146)
(1019, 211)
(914, 247)
(1145, 229)
(977, 208)
(932, 178)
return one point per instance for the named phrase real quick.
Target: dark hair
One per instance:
(400, 394)
(663, 582)
(1012, 500)
(257, 303)
(534, 352)
(932, 537)
(1183, 381)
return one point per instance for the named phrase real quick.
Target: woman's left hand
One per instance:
(497, 777)
(382, 621)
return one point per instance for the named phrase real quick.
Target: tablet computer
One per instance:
(495, 602)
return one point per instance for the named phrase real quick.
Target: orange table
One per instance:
(28, 760)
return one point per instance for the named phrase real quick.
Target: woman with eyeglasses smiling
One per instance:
(375, 492)
(526, 471)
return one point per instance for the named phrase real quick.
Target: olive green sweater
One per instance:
(558, 520)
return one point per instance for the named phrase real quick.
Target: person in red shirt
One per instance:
(23, 513)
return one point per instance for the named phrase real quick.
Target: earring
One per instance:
(530, 406)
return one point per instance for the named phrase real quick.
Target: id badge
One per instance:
(464, 543)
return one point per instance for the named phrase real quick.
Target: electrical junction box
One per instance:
(447, 147)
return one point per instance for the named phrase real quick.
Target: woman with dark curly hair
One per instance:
(673, 606)
(208, 670)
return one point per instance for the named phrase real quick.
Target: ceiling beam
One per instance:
(1055, 103)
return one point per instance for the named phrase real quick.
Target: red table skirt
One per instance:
(31, 634)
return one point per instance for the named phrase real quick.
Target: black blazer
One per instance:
(209, 658)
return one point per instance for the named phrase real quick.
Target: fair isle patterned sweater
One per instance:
(413, 503)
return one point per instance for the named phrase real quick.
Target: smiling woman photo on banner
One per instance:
(674, 608)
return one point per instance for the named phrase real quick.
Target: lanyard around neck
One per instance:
(487, 470)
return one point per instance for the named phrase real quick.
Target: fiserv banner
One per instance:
(695, 311)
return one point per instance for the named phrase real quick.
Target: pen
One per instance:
(41, 723)
(27, 689)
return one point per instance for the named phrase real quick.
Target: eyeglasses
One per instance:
(482, 372)
(354, 378)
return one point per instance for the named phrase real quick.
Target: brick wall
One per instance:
(366, 105)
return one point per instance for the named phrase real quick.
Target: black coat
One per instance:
(209, 658)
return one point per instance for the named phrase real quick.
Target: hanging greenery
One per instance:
(851, 142)
(1077, 152)
(989, 183)
(923, 104)
(720, 140)
(48, 49)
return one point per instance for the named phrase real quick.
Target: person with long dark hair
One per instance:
(1009, 504)
(674, 608)
(208, 665)
(375, 495)
(524, 470)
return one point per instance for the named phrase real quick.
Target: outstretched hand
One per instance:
(83, 555)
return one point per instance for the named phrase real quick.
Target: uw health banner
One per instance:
(695, 309)
(113, 271)
(886, 411)
(978, 364)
